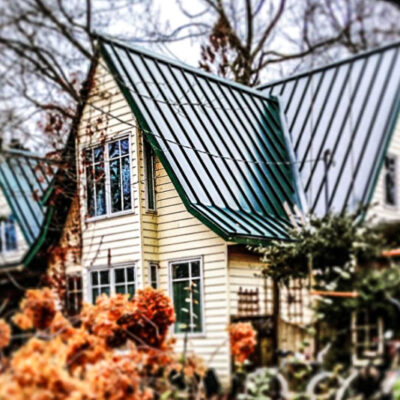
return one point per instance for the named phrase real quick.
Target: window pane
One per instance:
(98, 154)
(105, 290)
(10, 235)
(104, 277)
(120, 275)
(131, 274)
(180, 270)
(90, 191)
(131, 290)
(115, 185)
(390, 181)
(196, 295)
(89, 157)
(181, 306)
(95, 278)
(113, 149)
(120, 289)
(100, 189)
(95, 294)
(71, 283)
(195, 268)
(124, 146)
(126, 183)
(153, 276)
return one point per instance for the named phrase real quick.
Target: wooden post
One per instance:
(275, 319)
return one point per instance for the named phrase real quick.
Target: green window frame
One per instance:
(186, 279)
(150, 175)
(118, 279)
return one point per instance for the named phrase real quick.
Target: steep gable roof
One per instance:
(25, 179)
(222, 144)
(345, 112)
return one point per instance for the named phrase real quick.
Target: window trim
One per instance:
(3, 249)
(157, 266)
(145, 146)
(108, 214)
(387, 205)
(201, 288)
(112, 278)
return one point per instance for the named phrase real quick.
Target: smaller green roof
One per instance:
(25, 178)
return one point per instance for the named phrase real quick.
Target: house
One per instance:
(25, 216)
(179, 170)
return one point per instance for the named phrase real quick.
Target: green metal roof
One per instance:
(347, 110)
(24, 179)
(222, 144)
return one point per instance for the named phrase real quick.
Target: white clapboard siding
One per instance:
(380, 210)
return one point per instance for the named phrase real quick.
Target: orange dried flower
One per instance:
(37, 309)
(242, 340)
(5, 334)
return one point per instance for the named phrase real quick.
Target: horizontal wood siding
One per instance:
(108, 240)
(380, 210)
(172, 233)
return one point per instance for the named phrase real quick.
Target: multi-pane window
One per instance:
(186, 282)
(8, 235)
(74, 294)
(150, 177)
(153, 275)
(390, 182)
(108, 178)
(367, 337)
(112, 280)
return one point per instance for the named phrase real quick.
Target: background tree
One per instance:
(250, 40)
(46, 47)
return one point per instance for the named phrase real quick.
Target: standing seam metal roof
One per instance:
(348, 109)
(24, 179)
(222, 144)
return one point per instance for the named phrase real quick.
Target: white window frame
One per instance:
(201, 288)
(146, 174)
(112, 283)
(157, 281)
(108, 213)
(396, 200)
(3, 249)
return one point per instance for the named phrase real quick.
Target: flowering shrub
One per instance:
(242, 340)
(66, 362)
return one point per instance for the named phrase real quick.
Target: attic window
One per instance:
(149, 169)
(108, 179)
(390, 180)
(8, 235)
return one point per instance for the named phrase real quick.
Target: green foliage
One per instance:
(331, 243)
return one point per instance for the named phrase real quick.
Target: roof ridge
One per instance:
(334, 64)
(170, 60)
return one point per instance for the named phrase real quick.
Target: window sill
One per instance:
(197, 335)
(151, 212)
(390, 207)
(109, 216)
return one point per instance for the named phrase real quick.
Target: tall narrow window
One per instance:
(120, 175)
(390, 180)
(95, 182)
(8, 235)
(74, 294)
(113, 280)
(153, 275)
(187, 296)
(108, 178)
(150, 177)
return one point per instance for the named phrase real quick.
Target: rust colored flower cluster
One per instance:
(82, 362)
(5, 334)
(37, 310)
(242, 340)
